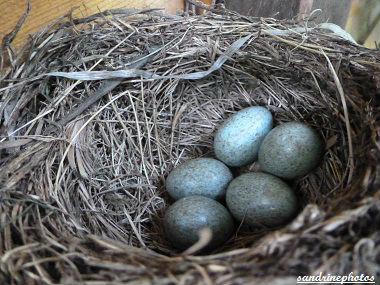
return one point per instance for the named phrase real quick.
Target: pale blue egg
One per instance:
(238, 139)
(261, 199)
(291, 150)
(201, 176)
(186, 217)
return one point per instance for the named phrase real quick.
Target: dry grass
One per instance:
(83, 163)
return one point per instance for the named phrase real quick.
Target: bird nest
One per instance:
(96, 112)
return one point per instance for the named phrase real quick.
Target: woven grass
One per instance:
(83, 162)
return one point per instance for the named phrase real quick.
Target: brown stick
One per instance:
(199, 4)
(8, 38)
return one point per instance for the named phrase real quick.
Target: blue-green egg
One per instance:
(261, 199)
(238, 139)
(201, 176)
(290, 150)
(186, 217)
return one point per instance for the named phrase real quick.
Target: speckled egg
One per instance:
(290, 150)
(186, 217)
(260, 198)
(238, 139)
(201, 176)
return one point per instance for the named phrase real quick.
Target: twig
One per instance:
(106, 87)
(205, 236)
(346, 118)
(58, 178)
(201, 5)
(123, 12)
(8, 38)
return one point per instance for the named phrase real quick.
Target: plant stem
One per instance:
(369, 30)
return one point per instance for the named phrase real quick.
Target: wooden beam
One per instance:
(43, 12)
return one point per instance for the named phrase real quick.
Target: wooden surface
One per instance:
(44, 11)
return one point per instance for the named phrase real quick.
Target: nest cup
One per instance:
(84, 156)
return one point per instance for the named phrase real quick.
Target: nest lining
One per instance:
(83, 195)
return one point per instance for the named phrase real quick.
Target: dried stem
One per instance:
(82, 190)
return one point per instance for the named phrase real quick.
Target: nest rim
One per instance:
(351, 145)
